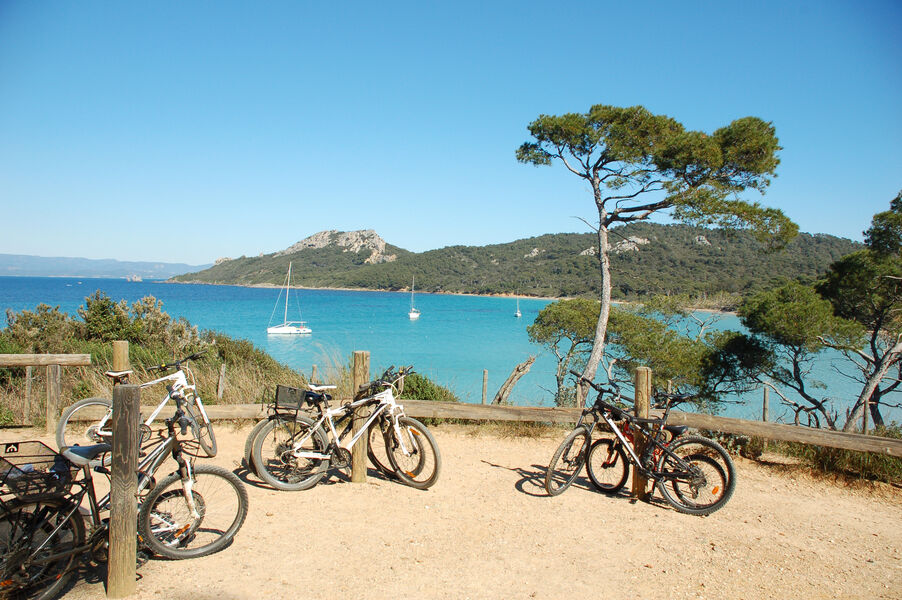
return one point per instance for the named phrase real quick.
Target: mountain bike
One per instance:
(45, 529)
(294, 452)
(88, 420)
(695, 475)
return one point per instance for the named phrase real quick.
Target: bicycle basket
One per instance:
(289, 398)
(34, 471)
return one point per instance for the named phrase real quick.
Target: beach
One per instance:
(488, 530)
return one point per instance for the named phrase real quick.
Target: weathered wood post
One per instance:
(220, 386)
(485, 385)
(29, 383)
(53, 397)
(360, 375)
(313, 374)
(864, 416)
(765, 409)
(120, 356)
(123, 491)
(643, 399)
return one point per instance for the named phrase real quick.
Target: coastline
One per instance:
(407, 291)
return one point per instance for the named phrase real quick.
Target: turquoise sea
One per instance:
(452, 342)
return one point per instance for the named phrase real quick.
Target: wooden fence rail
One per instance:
(479, 412)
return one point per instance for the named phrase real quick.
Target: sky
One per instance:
(188, 131)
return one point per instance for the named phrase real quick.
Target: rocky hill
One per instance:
(647, 258)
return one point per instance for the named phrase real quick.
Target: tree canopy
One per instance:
(639, 164)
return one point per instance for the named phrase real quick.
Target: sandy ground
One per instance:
(488, 530)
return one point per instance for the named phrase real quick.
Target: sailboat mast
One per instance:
(287, 287)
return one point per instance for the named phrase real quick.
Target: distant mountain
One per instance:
(22, 265)
(646, 258)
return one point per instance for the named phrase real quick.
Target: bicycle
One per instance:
(695, 475)
(179, 385)
(287, 404)
(193, 512)
(294, 452)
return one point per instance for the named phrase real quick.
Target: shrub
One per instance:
(420, 387)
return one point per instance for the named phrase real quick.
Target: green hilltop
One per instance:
(647, 258)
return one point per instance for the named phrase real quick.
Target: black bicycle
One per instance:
(192, 512)
(694, 474)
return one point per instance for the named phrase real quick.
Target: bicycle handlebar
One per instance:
(177, 364)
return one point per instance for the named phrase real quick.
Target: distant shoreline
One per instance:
(406, 291)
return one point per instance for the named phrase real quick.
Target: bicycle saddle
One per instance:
(83, 455)
(320, 388)
(676, 430)
(118, 376)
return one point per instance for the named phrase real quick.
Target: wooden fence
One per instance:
(52, 364)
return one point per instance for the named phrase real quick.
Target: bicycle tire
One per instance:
(271, 457)
(710, 485)
(248, 462)
(571, 456)
(377, 452)
(417, 461)
(68, 433)
(202, 430)
(607, 466)
(171, 529)
(27, 525)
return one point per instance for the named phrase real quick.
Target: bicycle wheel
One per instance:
(248, 462)
(377, 451)
(703, 482)
(567, 461)
(75, 428)
(31, 532)
(202, 430)
(607, 466)
(414, 456)
(171, 527)
(273, 459)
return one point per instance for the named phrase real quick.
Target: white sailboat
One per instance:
(518, 314)
(413, 313)
(288, 327)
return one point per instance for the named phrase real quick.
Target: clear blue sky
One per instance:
(186, 131)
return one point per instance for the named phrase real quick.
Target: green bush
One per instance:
(864, 465)
(420, 387)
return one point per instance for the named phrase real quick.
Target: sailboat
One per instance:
(518, 314)
(414, 313)
(288, 327)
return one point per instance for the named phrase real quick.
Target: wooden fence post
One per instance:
(765, 409)
(120, 356)
(53, 397)
(123, 491)
(485, 385)
(643, 398)
(864, 416)
(29, 384)
(313, 374)
(360, 376)
(220, 386)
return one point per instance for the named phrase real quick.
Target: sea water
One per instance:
(455, 339)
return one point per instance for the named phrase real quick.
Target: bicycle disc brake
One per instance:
(341, 458)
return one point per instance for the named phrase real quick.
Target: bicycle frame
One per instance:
(177, 389)
(386, 402)
(146, 468)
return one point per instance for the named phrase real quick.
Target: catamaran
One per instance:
(288, 327)
(413, 313)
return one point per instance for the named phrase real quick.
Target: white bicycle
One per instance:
(88, 421)
(292, 452)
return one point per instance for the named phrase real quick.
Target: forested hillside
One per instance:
(647, 258)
